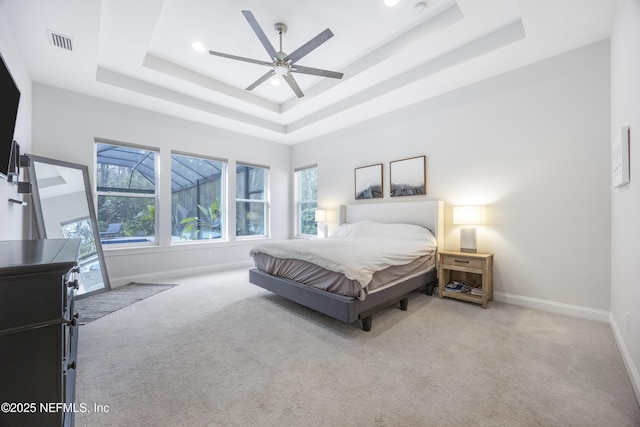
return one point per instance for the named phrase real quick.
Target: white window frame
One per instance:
(156, 227)
(298, 201)
(264, 201)
(223, 199)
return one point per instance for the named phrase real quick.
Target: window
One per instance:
(126, 189)
(306, 190)
(197, 198)
(251, 200)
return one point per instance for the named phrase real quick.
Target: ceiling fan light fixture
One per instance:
(391, 3)
(275, 81)
(281, 69)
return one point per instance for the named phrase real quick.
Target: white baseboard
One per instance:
(176, 274)
(632, 370)
(555, 307)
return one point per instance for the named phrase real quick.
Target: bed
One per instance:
(343, 292)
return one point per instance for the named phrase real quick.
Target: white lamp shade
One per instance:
(321, 215)
(468, 215)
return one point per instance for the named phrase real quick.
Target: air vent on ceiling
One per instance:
(60, 41)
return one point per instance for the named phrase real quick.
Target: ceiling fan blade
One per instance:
(261, 80)
(240, 58)
(315, 71)
(261, 35)
(293, 85)
(309, 46)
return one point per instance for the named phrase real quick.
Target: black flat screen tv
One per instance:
(9, 101)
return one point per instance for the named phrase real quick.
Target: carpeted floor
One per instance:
(96, 306)
(219, 351)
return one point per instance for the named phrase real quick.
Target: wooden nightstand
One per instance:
(472, 268)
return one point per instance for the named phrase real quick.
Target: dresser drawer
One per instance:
(45, 298)
(41, 300)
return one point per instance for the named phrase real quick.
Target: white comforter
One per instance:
(358, 250)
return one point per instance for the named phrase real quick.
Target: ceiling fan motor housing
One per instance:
(280, 28)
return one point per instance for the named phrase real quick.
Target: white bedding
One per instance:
(358, 250)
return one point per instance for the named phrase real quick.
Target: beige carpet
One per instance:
(218, 351)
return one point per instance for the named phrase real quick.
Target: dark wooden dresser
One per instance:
(38, 332)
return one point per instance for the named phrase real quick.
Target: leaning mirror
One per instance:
(63, 208)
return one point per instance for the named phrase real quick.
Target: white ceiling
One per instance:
(138, 52)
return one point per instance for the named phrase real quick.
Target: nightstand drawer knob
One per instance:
(463, 261)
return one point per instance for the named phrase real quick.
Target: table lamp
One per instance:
(468, 215)
(321, 219)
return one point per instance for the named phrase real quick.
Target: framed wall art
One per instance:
(408, 177)
(620, 158)
(369, 182)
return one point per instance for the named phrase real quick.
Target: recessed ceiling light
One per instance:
(275, 81)
(391, 3)
(197, 46)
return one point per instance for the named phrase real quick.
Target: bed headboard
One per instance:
(427, 213)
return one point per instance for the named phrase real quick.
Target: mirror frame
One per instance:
(39, 215)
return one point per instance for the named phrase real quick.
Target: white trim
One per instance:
(632, 370)
(297, 201)
(176, 274)
(315, 165)
(556, 307)
(189, 245)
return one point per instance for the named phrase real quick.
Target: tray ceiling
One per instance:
(139, 53)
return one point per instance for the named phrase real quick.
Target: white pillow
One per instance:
(380, 231)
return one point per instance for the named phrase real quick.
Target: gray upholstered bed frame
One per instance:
(425, 213)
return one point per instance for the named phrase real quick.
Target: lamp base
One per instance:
(468, 240)
(323, 230)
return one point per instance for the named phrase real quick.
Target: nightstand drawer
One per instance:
(462, 261)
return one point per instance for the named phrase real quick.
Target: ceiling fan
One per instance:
(283, 64)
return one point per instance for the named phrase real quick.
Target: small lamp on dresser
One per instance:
(468, 215)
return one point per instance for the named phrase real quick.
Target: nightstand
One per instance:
(471, 268)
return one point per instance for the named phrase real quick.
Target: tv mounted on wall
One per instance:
(9, 102)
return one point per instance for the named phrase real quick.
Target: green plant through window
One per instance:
(209, 220)
(197, 186)
(125, 181)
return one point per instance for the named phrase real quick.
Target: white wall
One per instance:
(529, 145)
(15, 223)
(625, 201)
(65, 125)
